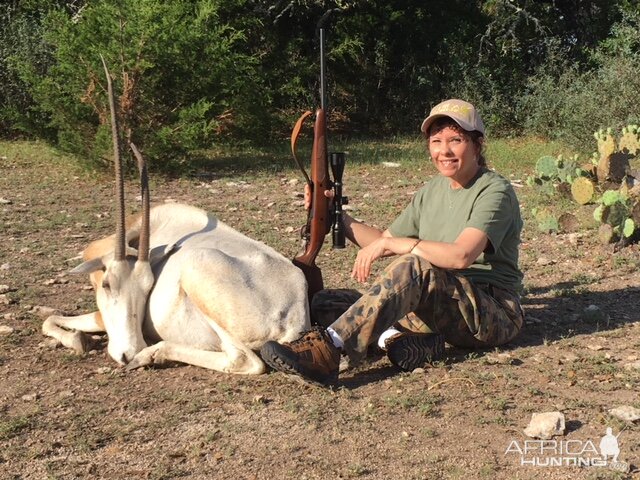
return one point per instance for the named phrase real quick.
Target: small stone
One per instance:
(545, 261)
(5, 266)
(391, 164)
(570, 357)
(595, 347)
(633, 365)
(66, 394)
(5, 300)
(293, 181)
(499, 358)
(259, 399)
(289, 229)
(405, 434)
(5, 201)
(545, 425)
(270, 204)
(418, 371)
(593, 314)
(43, 312)
(30, 397)
(4, 288)
(103, 370)
(5, 330)
(626, 413)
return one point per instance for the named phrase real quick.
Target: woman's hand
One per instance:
(366, 256)
(307, 195)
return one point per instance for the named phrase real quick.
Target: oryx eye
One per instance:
(105, 284)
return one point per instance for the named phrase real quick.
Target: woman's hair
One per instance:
(475, 136)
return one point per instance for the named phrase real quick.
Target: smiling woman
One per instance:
(456, 278)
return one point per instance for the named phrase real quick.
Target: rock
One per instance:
(391, 164)
(595, 347)
(43, 312)
(633, 365)
(5, 330)
(30, 397)
(545, 425)
(499, 358)
(5, 201)
(103, 370)
(593, 314)
(542, 261)
(418, 370)
(5, 300)
(570, 357)
(4, 288)
(289, 229)
(626, 413)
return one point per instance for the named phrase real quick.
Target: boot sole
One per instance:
(411, 351)
(272, 356)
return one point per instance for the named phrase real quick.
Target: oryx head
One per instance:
(124, 286)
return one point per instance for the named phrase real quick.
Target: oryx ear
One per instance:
(159, 253)
(89, 266)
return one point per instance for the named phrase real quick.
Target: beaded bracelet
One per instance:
(414, 246)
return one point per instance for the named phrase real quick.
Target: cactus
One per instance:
(630, 140)
(606, 142)
(547, 221)
(628, 228)
(606, 234)
(612, 196)
(547, 167)
(582, 190)
(568, 169)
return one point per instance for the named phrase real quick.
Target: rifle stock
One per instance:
(318, 220)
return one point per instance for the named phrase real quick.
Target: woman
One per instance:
(456, 278)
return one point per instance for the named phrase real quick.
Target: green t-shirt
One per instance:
(488, 203)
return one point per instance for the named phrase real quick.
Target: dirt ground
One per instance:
(64, 416)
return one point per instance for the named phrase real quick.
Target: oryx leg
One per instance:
(70, 331)
(234, 359)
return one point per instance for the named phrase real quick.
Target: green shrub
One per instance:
(567, 103)
(182, 77)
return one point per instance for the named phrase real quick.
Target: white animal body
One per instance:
(176, 278)
(217, 296)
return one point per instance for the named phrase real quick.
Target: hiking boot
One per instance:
(313, 356)
(409, 350)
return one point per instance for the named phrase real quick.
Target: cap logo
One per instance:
(462, 110)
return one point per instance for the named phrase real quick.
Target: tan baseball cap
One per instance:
(461, 112)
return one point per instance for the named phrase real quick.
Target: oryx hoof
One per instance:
(147, 356)
(78, 342)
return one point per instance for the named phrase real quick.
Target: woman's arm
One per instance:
(456, 255)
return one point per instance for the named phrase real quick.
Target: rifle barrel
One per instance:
(323, 98)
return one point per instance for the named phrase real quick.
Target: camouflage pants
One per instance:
(411, 294)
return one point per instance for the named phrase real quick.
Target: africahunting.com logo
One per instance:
(569, 453)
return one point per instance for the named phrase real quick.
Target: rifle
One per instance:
(320, 218)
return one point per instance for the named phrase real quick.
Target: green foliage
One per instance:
(568, 101)
(183, 78)
(191, 73)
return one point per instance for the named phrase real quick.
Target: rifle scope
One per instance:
(337, 161)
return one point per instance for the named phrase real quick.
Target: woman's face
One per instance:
(455, 155)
